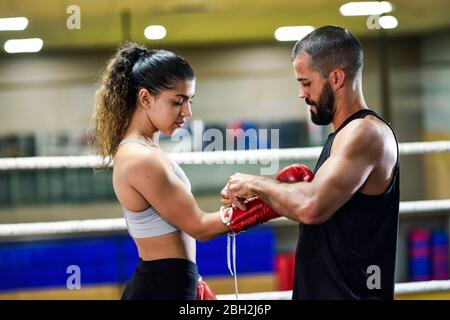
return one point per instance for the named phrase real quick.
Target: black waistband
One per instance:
(167, 265)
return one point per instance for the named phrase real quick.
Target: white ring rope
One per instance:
(62, 227)
(211, 157)
(119, 224)
(418, 207)
(400, 288)
(407, 208)
(422, 286)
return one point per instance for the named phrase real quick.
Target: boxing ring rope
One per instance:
(8, 231)
(118, 224)
(210, 157)
(400, 288)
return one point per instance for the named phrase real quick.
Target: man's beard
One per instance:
(325, 106)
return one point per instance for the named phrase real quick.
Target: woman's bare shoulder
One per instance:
(132, 159)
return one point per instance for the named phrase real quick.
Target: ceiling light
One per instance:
(292, 33)
(365, 8)
(388, 22)
(155, 32)
(19, 23)
(23, 45)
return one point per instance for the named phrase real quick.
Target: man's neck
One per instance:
(346, 106)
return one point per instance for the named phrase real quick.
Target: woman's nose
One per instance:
(186, 111)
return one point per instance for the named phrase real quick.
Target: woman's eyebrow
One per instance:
(184, 96)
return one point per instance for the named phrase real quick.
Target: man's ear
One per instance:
(145, 98)
(337, 79)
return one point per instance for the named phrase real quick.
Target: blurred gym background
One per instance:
(244, 80)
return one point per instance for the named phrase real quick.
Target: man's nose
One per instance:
(302, 93)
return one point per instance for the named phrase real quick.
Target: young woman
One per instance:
(142, 93)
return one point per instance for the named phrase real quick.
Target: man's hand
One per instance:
(258, 212)
(239, 188)
(224, 199)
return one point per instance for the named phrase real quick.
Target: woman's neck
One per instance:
(153, 140)
(141, 129)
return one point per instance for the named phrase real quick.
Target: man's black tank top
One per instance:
(342, 257)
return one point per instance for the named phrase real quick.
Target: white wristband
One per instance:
(226, 213)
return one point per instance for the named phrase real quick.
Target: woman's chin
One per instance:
(168, 132)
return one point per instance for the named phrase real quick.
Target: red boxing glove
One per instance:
(257, 211)
(295, 173)
(204, 292)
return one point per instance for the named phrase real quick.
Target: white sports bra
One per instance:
(149, 223)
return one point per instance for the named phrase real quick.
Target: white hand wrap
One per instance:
(226, 213)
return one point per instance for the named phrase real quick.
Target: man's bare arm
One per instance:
(354, 156)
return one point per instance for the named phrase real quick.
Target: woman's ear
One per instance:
(145, 98)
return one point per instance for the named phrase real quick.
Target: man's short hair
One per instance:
(331, 47)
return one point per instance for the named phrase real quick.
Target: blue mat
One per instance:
(112, 259)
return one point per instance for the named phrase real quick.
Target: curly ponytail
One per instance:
(132, 67)
(114, 101)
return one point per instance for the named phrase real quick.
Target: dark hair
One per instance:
(132, 68)
(331, 47)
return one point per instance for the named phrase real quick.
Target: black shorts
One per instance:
(165, 279)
